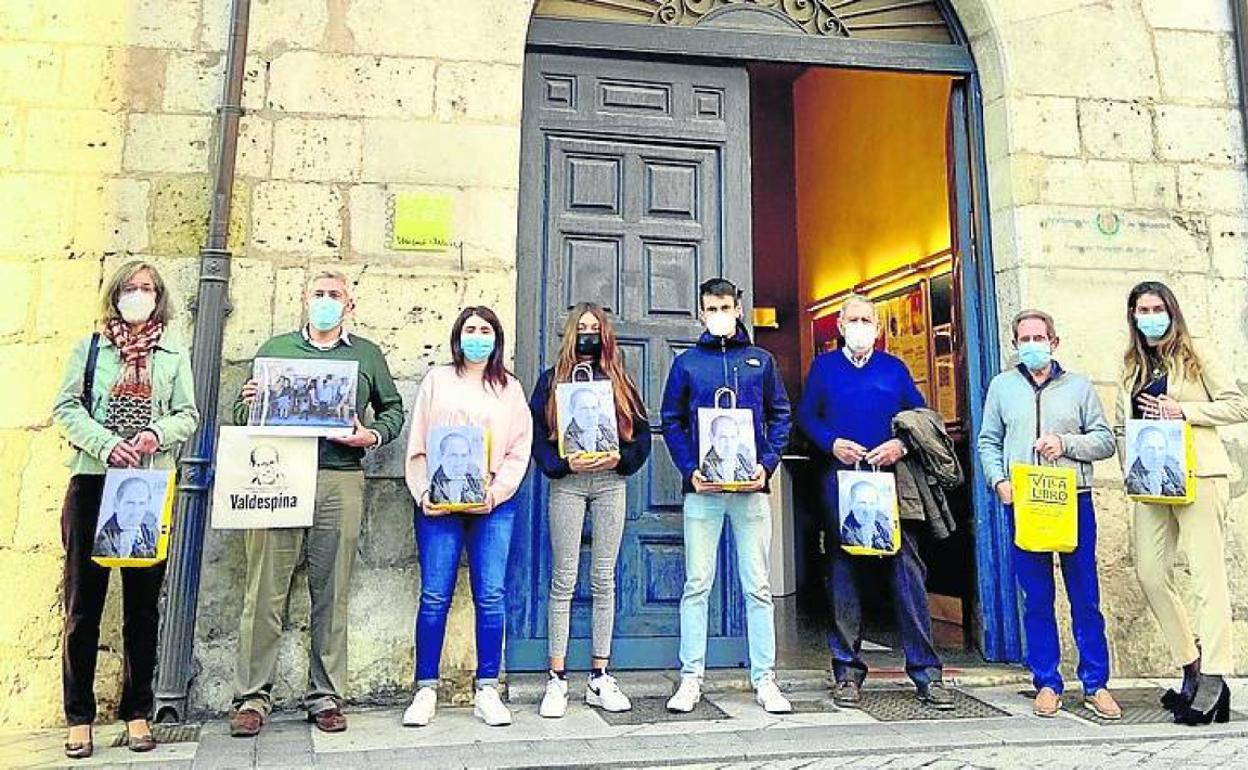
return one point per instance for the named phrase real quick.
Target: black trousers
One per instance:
(86, 587)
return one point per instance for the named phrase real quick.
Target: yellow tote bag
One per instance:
(870, 524)
(136, 511)
(1160, 462)
(1046, 508)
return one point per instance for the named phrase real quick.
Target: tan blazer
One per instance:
(1212, 400)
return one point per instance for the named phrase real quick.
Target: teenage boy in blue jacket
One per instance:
(724, 357)
(847, 411)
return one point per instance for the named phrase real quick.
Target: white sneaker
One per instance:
(604, 692)
(488, 706)
(687, 695)
(555, 701)
(768, 695)
(422, 709)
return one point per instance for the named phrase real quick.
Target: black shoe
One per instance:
(1178, 701)
(847, 694)
(1207, 707)
(936, 695)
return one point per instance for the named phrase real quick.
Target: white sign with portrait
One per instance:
(304, 397)
(867, 512)
(458, 459)
(586, 412)
(132, 527)
(727, 454)
(1157, 460)
(263, 482)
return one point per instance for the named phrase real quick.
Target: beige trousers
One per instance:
(1200, 530)
(329, 547)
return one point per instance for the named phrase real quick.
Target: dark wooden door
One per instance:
(635, 188)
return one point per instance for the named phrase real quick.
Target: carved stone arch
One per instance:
(913, 21)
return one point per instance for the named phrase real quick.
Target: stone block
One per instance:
(1228, 244)
(490, 93)
(275, 26)
(482, 218)
(388, 462)
(317, 150)
(66, 308)
(33, 622)
(409, 316)
(34, 687)
(12, 460)
(111, 215)
(168, 143)
(255, 147)
(1201, 15)
(1043, 125)
(1156, 186)
(1072, 181)
(18, 277)
(43, 490)
(1116, 129)
(1204, 188)
(488, 30)
(193, 80)
(10, 137)
(383, 614)
(30, 73)
(297, 217)
(1088, 52)
(403, 151)
(180, 208)
(251, 295)
(328, 84)
(77, 141)
(1201, 134)
(387, 541)
(288, 299)
(143, 23)
(35, 210)
(1194, 66)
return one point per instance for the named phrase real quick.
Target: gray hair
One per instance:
(332, 275)
(860, 299)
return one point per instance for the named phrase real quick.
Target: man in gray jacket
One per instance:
(1036, 412)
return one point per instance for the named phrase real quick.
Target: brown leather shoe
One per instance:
(331, 720)
(80, 749)
(1048, 703)
(246, 723)
(1103, 705)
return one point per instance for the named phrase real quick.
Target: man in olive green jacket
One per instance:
(331, 542)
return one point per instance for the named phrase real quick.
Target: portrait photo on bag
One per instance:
(304, 397)
(458, 459)
(867, 505)
(263, 482)
(726, 452)
(1156, 458)
(131, 512)
(586, 414)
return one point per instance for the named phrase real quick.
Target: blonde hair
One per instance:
(117, 281)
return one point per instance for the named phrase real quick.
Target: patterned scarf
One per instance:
(130, 401)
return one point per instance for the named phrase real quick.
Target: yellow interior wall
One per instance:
(872, 190)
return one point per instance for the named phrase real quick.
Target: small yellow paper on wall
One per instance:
(422, 222)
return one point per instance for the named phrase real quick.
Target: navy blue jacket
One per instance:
(633, 454)
(715, 363)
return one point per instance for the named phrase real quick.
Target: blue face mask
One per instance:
(477, 347)
(1153, 325)
(325, 313)
(1036, 356)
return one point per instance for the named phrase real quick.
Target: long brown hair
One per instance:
(1174, 350)
(495, 372)
(628, 404)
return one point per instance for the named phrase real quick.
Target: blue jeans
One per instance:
(749, 514)
(440, 540)
(907, 578)
(1034, 572)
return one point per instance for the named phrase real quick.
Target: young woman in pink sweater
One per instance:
(474, 390)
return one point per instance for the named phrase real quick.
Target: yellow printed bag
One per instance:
(1046, 508)
(136, 511)
(870, 524)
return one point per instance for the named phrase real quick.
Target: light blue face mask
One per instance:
(477, 347)
(1153, 325)
(1036, 356)
(325, 313)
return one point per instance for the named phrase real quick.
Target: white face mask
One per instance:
(136, 306)
(860, 337)
(721, 324)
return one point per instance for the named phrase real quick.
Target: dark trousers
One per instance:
(844, 578)
(1034, 572)
(86, 587)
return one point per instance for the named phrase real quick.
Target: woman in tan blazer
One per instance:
(1166, 376)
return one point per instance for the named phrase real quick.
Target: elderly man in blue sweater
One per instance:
(1039, 410)
(725, 358)
(847, 410)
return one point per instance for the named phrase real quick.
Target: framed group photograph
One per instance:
(304, 397)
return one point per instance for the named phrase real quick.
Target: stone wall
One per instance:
(1118, 109)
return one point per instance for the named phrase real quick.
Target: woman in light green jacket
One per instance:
(132, 406)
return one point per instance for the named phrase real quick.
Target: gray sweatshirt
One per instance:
(1017, 413)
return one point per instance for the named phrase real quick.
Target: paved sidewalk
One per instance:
(734, 733)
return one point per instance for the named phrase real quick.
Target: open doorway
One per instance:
(852, 192)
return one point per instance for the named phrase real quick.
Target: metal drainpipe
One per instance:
(177, 632)
(1239, 14)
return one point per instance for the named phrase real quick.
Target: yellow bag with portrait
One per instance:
(134, 521)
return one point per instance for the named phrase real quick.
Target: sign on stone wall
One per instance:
(419, 221)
